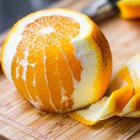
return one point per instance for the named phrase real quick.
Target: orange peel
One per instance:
(118, 95)
(132, 107)
(122, 98)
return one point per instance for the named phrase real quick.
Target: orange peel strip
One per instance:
(132, 107)
(123, 101)
(121, 89)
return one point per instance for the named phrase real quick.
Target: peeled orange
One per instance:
(57, 59)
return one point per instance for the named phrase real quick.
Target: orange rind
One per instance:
(122, 98)
(57, 59)
(132, 109)
(118, 95)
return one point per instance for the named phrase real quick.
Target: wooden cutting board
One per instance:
(19, 120)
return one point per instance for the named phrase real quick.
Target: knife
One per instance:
(100, 9)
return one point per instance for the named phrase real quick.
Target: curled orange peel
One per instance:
(132, 109)
(122, 98)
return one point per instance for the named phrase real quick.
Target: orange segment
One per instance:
(21, 86)
(37, 85)
(74, 64)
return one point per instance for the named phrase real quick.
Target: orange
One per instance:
(57, 59)
(129, 8)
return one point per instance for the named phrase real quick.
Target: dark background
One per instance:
(12, 10)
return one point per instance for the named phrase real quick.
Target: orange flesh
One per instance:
(46, 66)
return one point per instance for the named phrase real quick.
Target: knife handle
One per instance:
(113, 2)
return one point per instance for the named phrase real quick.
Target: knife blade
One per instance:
(100, 9)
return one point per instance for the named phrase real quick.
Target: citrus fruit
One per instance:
(129, 8)
(57, 59)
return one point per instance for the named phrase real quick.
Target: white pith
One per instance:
(46, 30)
(135, 114)
(93, 112)
(104, 108)
(85, 91)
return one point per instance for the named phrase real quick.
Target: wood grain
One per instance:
(19, 120)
